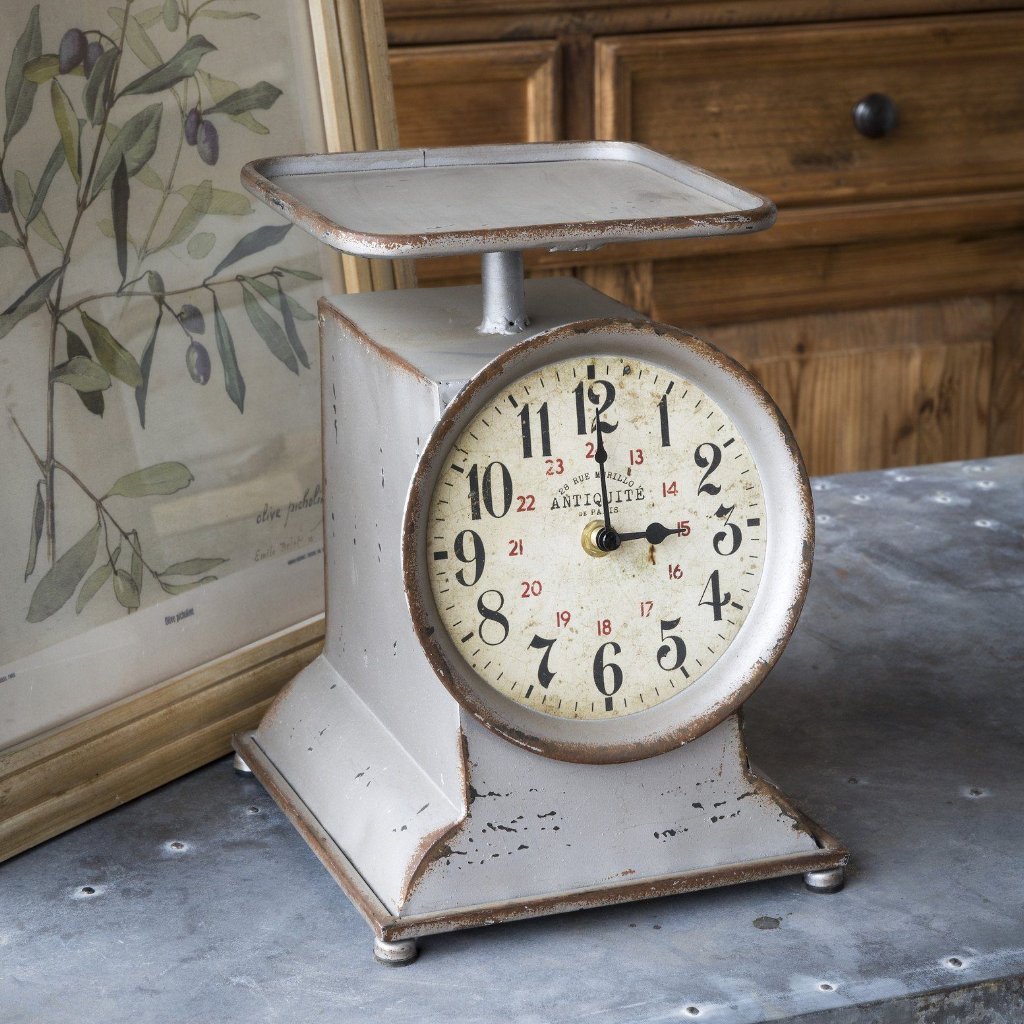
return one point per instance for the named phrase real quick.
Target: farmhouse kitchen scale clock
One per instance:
(564, 544)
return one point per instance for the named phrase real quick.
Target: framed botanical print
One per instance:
(161, 505)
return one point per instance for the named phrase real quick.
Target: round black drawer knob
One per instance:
(875, 116)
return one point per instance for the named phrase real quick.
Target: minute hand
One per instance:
(608, 539)
(654, 534)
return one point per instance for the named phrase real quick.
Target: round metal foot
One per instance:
(395, 954)
(240, 765)
(829, 880)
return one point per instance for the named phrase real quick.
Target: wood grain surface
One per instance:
(772, 109)
(506, 92)
(56, 781)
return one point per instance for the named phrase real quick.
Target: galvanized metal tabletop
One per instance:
(896, 715)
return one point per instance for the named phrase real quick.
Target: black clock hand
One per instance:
(606, 539)
(654, 534)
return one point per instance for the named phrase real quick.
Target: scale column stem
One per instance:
(504, 293)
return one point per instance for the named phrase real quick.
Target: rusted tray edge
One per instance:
(391, 928)
(258, 177)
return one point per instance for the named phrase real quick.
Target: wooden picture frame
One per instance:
(59, 777)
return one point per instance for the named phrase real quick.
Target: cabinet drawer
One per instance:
(772, 109)
(473, 95)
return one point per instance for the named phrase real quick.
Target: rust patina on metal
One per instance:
(325, 195)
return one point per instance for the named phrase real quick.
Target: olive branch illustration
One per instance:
(105, 160)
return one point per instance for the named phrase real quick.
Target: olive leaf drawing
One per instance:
(135, 144)
(111, 354)
(269, 330)
(252, 243)
(133, 122)
(19, 91)
(37, 530)
(57, 586)
(164, 478)
(26, 304)
(234, 383)
(181, 66)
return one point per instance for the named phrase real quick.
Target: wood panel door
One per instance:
(477, 94)
(771, 108)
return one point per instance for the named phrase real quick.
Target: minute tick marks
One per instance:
(600, 634)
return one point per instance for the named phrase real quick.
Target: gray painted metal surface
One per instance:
(572, 196)
(504, 293)
(896, 714)
(422, 805)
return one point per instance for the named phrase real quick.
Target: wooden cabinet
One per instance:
(772, 109)
(884, 310)
(504, 92)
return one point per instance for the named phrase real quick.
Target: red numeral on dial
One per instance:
(604, 627)
(515, 547)
(675, 571)
(645, 608)
(531, 588)
(526, 503)
(562, 618)
(636, 456)
(670, 489)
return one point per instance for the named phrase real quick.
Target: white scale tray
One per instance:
(570, 196)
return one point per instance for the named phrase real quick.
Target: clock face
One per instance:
(596, 537)
(607, 541)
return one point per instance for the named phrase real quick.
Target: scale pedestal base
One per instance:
(701, 818)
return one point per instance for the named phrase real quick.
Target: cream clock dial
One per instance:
(607, 541)
(597, 537)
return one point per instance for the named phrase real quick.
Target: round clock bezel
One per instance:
(785, 574)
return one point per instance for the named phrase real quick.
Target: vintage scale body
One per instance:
(563, 545)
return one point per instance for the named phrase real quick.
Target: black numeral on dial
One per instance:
(607, 675)
(474, 556)
(672, 653)
(545, 431)
(544, 674)
(708, 457)
(717, 601)
(663, 415)
(494, 506)
(492, 615)
(600, 394)
(732, 535)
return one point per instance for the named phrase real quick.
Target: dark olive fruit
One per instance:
(5, 199)
(93, 52)
(192, 122)
(191, 318)
(207, 143)
(156, 283)
(197, 359)
(72, 50)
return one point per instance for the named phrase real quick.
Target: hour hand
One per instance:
(654, 534)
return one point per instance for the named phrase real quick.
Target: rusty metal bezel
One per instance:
(785, 576)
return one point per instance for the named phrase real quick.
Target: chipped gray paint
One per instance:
(536, 826)
(367, 746)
